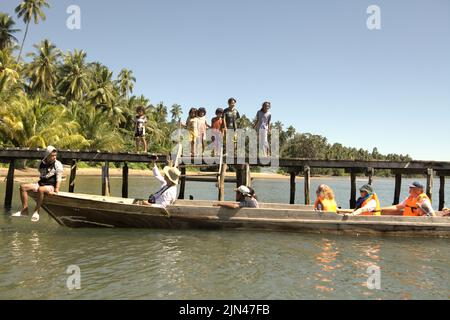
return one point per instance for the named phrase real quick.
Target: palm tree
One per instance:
(126, 82)
(43, 68)
(75, 81)
(7, 38)
(30, 10)
(97, 128)
(9, 70)
(176, 112)
(160, 112)
(35, 123)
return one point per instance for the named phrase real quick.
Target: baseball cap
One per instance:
(416, 184)
(243, 190)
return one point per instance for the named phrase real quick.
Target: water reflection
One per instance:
(326, 261)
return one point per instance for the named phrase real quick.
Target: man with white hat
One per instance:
(246, 199)
(167, 194)
(50, 171)
(417, 204)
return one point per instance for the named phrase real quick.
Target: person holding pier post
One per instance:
(51, 172)
(167, 194)
(417, 204)
(368, 204)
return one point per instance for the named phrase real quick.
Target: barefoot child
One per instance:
(139, 128)
(192, 126)
(219, 129)
(202, 126)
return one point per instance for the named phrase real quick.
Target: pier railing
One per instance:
(295, 167)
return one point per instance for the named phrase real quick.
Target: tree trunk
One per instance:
(23, 42)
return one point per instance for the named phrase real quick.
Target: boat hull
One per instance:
(85, 211)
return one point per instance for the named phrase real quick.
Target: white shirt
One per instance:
(169, 196)
(370, 206)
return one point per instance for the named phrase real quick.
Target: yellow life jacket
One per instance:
(327, 205)
(411, 207)
(377, 211)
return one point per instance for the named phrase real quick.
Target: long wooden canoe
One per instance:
(88, 211)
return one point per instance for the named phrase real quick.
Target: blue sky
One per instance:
(323, 70)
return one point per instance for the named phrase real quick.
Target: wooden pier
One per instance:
(429, 169)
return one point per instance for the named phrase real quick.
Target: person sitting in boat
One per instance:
(167, 195)
(417, 204)
(325, 199)
(51, 172)
(245, 197)
(368, 204)
(446, 212)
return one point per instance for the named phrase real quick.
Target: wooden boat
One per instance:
(89, 211)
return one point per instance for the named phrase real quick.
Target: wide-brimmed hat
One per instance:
(243, 190)
(172, 174)
(367, 188)
(49, 151)
(417, 184)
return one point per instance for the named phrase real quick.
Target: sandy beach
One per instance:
(20, 174)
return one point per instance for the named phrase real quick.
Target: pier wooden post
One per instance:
(370, 173)
(442, 193)
(430, 173)
(398, 188)
(239, 177)
(125, 180)
(105, 180)
(73, 175)
(246, 175)
(182, 182)
(10, 185)
(307, 173)
(292, 198)
(352, 189)
(223, 172)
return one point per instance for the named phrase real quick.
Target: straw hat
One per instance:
(172, 174)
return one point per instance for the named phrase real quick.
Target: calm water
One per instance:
(155, 264)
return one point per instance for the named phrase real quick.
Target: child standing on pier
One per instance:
(192, 127)
(262, 126)
(219, 129)
(139, 128)
(202, 126)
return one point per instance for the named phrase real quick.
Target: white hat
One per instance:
(172, 174)
(243, 190)
(49, 151)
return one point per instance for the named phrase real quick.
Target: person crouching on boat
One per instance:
(246, 198)
(167, 195)
(368, 204)
(417, 204)
(325, 199)
(51, 172)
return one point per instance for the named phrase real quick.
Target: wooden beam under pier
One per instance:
(125, 171)
(10, 185)
(307, 174)
(442, 193)
(292, 187)
(430, 174)
(106, 187)
(353, 190)
(398, 188)
(73, 175)
(182, 183)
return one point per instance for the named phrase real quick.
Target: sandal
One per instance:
(35, 217)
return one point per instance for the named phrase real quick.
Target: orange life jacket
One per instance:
(377, 211)
(411, 207)
(327, 205)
